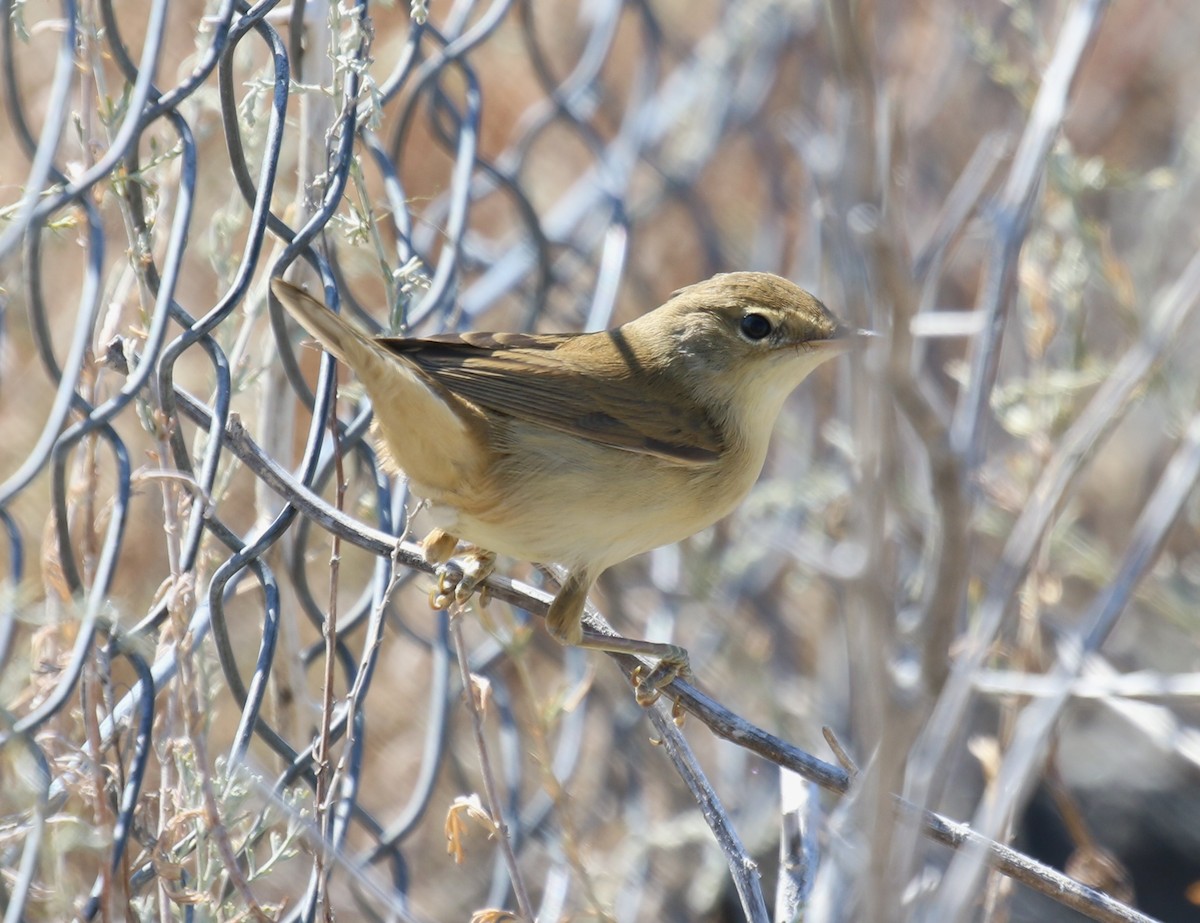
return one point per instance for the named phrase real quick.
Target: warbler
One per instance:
(584, 449)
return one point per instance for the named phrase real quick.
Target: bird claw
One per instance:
(442, 595)
(456, 583)
(648, 684)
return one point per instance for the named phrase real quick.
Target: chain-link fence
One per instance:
(972, 554)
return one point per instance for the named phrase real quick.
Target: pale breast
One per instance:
(559, 499)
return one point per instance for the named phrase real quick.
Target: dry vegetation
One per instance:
(973, 553)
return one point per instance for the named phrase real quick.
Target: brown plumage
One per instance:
(585, 449)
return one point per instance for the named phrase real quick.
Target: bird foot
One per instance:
(455, 584)
(648, 684)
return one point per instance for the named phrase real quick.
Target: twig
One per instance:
(322, 794)
(746, 878)
(961, 202)
(192, 709)
(1037, 722)
(839, 751)
(218, 831)
(1010, 218)
(1103, 412)
(720, 720)
(485, 770)
(742, 867)
(800, 809)
(1097, 682)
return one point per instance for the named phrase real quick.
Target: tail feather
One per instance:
(337, 335)
(436, 443)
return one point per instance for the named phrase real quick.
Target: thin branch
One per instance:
(720, 720)
(1094, 683)
(322, 796)
(495, 809)
(798, 847)
(961, 203)
(1037, 722)
(1010, 218)
(1106, 408)
(839, 751)
(746, 877)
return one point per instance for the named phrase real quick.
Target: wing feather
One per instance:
(540, 378)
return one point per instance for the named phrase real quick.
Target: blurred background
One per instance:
(972, 554)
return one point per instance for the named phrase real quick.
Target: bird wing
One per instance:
(555, 381)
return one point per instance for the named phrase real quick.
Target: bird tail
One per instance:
(336, 334)
(421, 427)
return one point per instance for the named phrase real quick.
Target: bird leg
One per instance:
(453, 587)
(565, 623)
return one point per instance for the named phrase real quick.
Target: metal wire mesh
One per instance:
(508, 165)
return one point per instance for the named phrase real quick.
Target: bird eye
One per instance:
(755, 326)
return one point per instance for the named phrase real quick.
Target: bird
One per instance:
(585, 449)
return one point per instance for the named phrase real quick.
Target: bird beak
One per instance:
(854, 334)
(847, 338)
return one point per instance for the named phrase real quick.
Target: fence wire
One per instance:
(188, 733)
